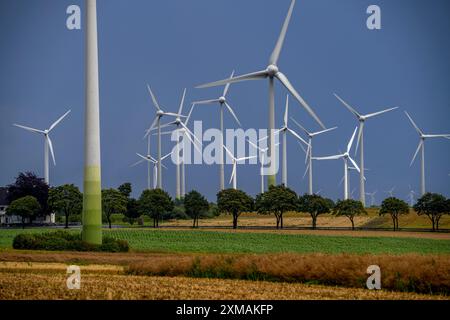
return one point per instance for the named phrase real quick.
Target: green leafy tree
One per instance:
(155, 203)
(234, 202)
(277, 200)
(195, 206)
(315, 205)
(113, 201)
(125, 189)
(29, 184)
(349, 208)
(394, 207)
(66, 199)
(132, 213)
(434, 206)
(25, 207)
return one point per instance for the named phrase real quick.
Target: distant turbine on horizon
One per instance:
(421, 145)
(48, 145)
(360, 141)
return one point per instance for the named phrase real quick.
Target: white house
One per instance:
(6, 220)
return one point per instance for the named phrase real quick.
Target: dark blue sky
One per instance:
(172, 44)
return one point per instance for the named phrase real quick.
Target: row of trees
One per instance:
(31, 197)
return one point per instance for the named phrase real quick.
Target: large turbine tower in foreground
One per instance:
(92, 194)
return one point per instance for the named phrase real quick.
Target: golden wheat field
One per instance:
(48, 281)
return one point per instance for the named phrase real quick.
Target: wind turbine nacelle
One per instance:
(272, 70)
(222, 100)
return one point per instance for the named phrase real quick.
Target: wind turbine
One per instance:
(372, 197)
(222, 101)
(411, 194)
(48, 145)
(346, 157)
(362, 119)
(390, 192)
(263, 152)
(157, 123)
(350, 168)
(271, 72)
(188, 134)
(186, 137)
(150, 160)
(421, 145)
(309, 156)
(235, 161)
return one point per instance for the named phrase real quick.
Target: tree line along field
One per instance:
(199, 241)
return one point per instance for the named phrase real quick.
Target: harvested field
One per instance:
(34, 285)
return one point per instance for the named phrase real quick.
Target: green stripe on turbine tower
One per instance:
(92, 196)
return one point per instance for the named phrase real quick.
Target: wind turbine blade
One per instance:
(229, 153)
(342, 180)
(417, 151)
(211, 101)
(370, 115)
(354, 164)
(338, 156)
(188, 136)
(147, 132)
(165, 157)
(173, 114)
(359, 138)
(447, 136)
(258, 75)
(301, 146)
(300, 126)
(189, 114)
(286, 111)
(352, 110)
(323, 131)
(180, 109)
(58, 121)
(155, 102)
(349, 145)
(227, 86)
(284, 80)
(162, 165)
(279, 45)
(245, 158)
(50, 145)
(297, 136)
(143, 157)
(136, 163)
(190, 133)
(308, 152)
(28, 128)
(153, 159)
(254, 145)
(414, 124)
(232, 113)
(306, 170)
(233, 172)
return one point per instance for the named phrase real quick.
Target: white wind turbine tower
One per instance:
(284, 129)
(188, 134)
(157, 123)
(263, 152)
(235, 161)
(421, 145)
(222, 101)
(346, 157)
(309, 151)
(360, 142)
(372, 197)
(271, 72)
(149, 159)
(48, 145)
(350, 168)
(411, 195)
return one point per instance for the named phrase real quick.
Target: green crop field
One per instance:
(229, 242)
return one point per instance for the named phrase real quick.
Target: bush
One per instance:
(65, 241)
